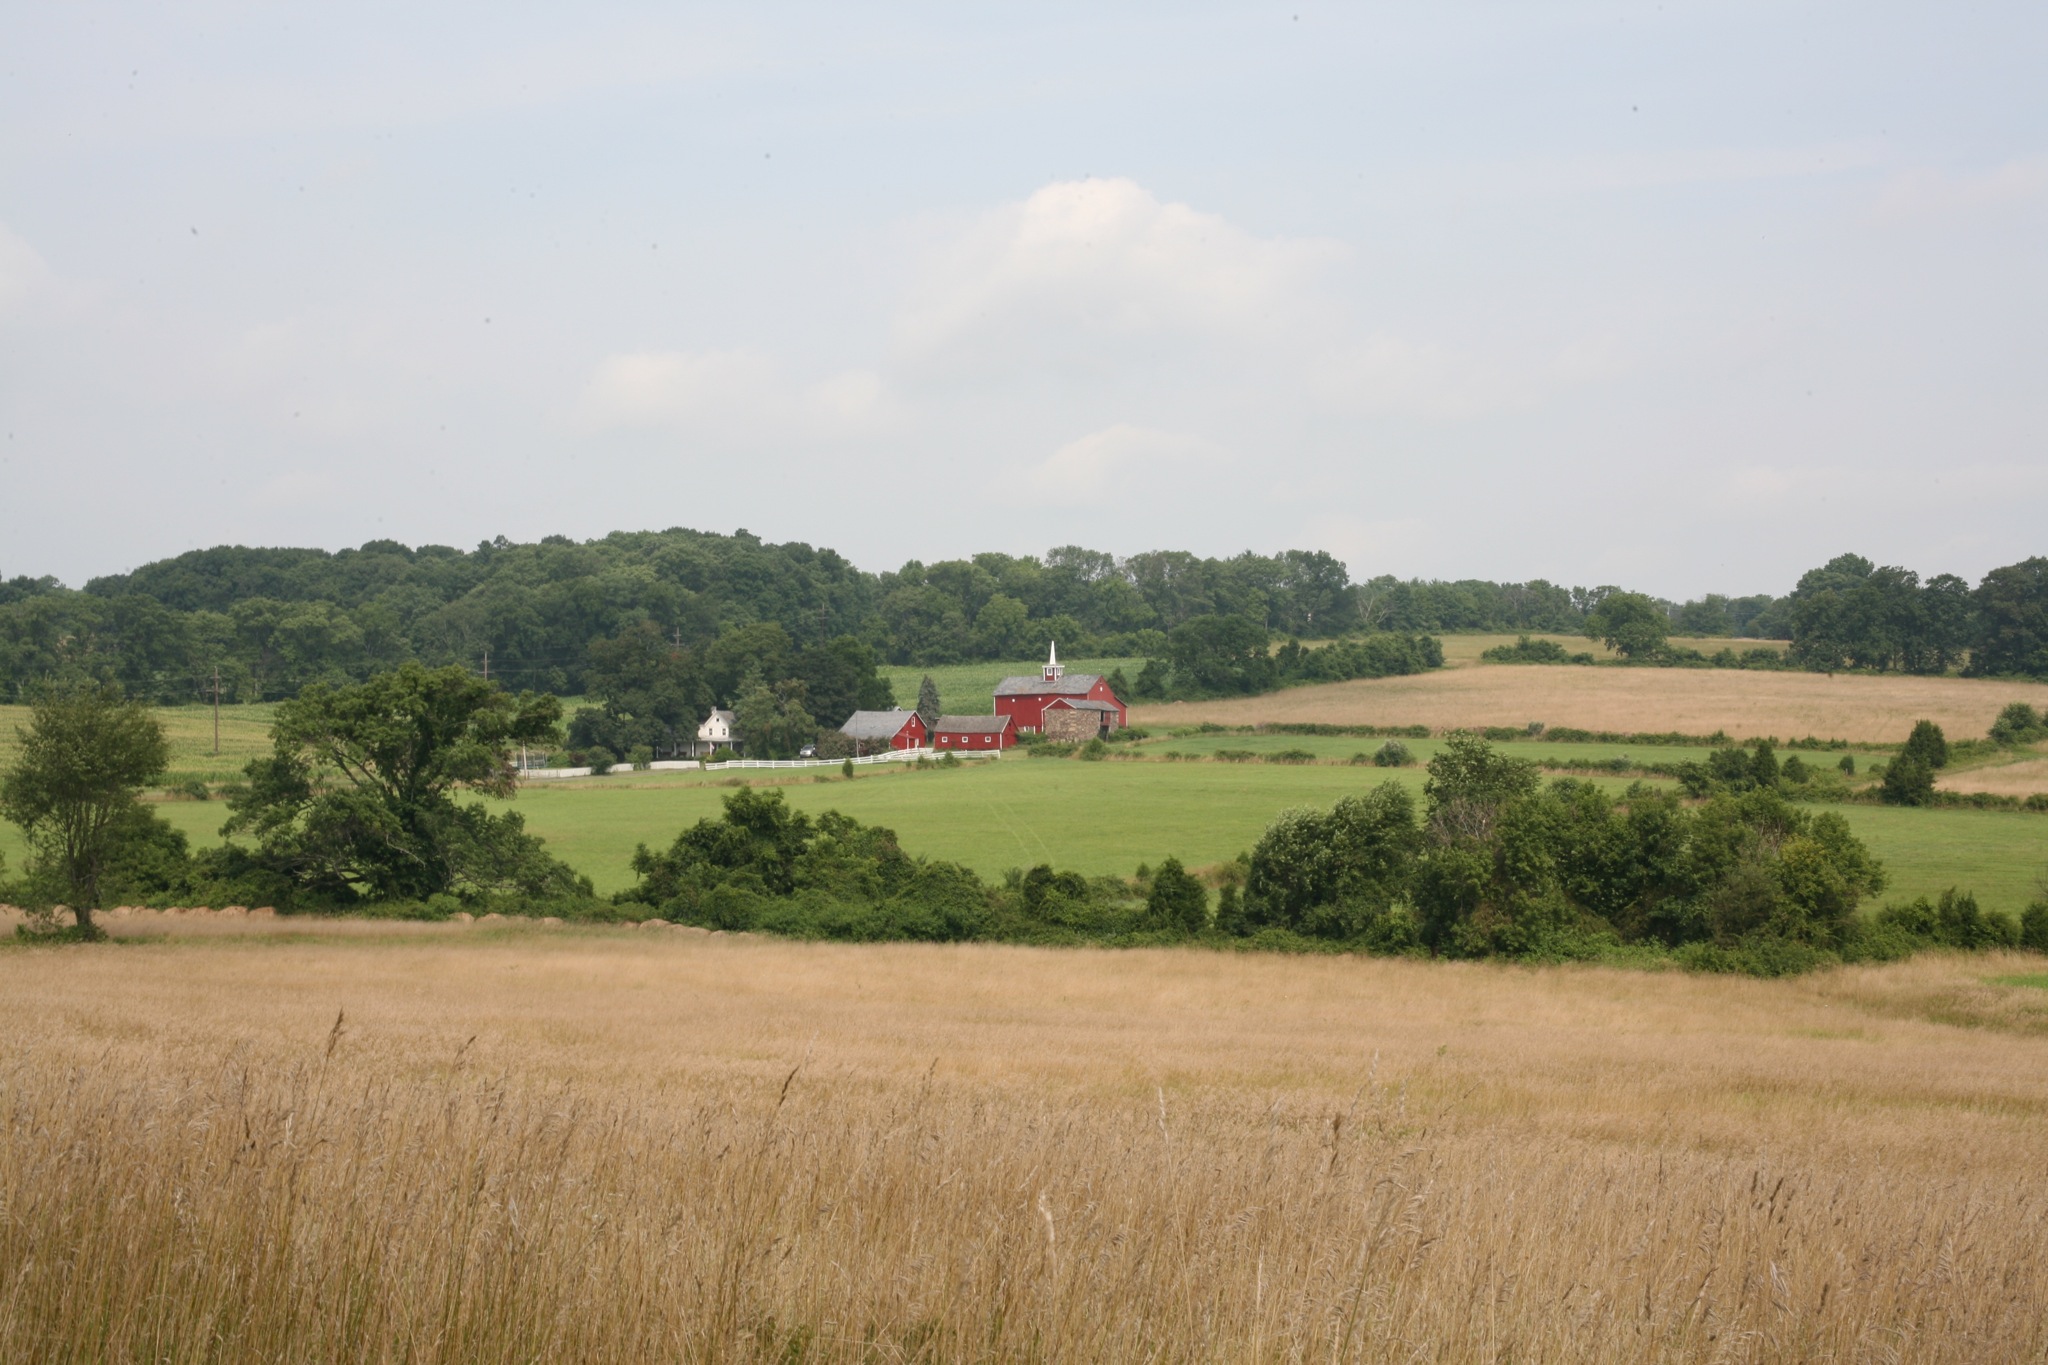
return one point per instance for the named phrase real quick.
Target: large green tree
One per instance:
(1220, 655)
(773, 721)
(1629, 623)
(84, 758)
(358, 797)
(2012, 620)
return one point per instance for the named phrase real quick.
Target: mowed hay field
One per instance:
(555, 1145)
(1858, 707)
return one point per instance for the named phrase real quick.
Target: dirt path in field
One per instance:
(1691, 701)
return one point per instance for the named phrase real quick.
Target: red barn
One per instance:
(873, 731)
(1024, 699)
(974, 733)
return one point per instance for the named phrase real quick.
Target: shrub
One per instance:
(1291, 756)
(1907, 782)
(1954, 921)
(1336, 874)
(846, 768)
(599, 759)
(1392, 754)
(2019, 723)
(2034, 927)
(1927, 745)
(1847, 765)
(1530, 651)
(639, 756)
(1177, 901)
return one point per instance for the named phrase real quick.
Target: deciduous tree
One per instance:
(357, 798)
(84, 758)
(1629, 623)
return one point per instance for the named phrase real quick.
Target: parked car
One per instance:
(808, 751)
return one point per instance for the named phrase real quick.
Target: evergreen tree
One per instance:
(1177, 900)
(1908, 781)
(928, 703)
(1928, 745)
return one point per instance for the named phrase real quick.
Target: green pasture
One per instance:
(244, 734)
(970, 689)
(1340, 748)
(1108, 817)
(1102, 817)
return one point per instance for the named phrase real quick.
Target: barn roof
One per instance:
(876, 724)
(1086, 704)
(973, 725)
(1072, 685)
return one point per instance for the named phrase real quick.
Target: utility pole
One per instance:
(487, 663)
(216, 710)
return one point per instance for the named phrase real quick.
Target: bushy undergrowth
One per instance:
(1532, 651)
(1495, 865)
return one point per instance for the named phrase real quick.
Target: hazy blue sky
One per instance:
(1685, 296)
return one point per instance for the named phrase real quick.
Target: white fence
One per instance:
(692, 765)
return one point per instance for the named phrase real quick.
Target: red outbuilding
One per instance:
(1024, 699)
(874, 731)
(976, 734)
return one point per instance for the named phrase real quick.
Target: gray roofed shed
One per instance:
(876, 724)
(974, 725)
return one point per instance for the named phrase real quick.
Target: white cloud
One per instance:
(674, 388)
(1762, 481)
(740, 392)
(1367, 543)
(23, 271)
(295, 488)
(1106, 258)
(1926, 193)
(1119, 458)
(1391, 376)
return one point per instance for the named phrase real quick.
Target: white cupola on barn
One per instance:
(1053, 671)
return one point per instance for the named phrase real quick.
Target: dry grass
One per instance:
(2023, 777)
(1461, 651)
(626, 1145)
(1691, 701)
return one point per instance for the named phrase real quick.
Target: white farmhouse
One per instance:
(715, 733)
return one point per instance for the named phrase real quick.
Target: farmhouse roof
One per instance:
(1073, 685)
(876, 724)
(973, 725)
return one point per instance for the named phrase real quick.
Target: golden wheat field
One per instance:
(1861, 707)
(417, 1143)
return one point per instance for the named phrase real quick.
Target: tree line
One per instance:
(265, 623)
(360, 804)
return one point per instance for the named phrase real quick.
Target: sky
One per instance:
(1687, 297)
